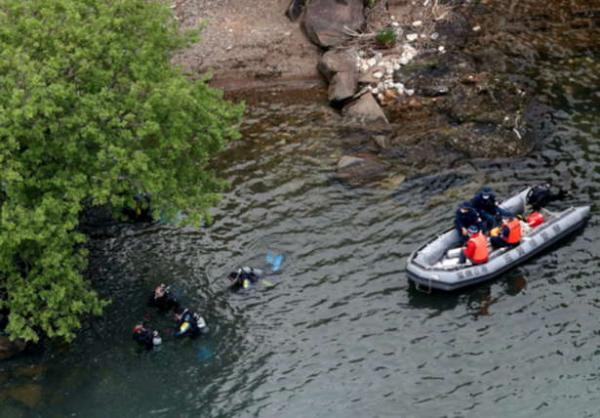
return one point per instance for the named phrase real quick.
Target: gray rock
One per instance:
(342, 86)
(324, 20)
(337, 61)
(339, 68)
(365, 108)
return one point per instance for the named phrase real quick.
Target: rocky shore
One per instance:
(427, 82)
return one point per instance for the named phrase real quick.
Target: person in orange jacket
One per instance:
(510, 234)
(476, 248)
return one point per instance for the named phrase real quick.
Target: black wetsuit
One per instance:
(189, 324)
(164, 303)
(144, 337)
(244, 274)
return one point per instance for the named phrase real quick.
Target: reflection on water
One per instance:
(341, 334)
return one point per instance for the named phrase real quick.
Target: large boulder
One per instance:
(342, 86)
(10, 348)
(366, 108)
(339, 68)
(325, 21)
(337, 61)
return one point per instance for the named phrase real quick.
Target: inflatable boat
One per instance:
(436, 264)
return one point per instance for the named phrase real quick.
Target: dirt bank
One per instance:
(248, 44)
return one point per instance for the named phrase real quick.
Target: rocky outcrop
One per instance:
(326, 21)
(339, 69)
(10, 348)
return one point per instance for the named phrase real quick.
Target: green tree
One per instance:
(92, 112)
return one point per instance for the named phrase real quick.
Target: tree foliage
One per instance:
(92, 112)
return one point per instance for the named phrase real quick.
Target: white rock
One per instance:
(435, 35)
(378, 74)
(371, 62)
(476, 28)
(378, 56)
(395, 24)
(412, 37)
(417, 23)
(380, 96)
(408, 53)
(396, 67)
(441, 48)
(423, 36)
(374, 90)
(409, 92)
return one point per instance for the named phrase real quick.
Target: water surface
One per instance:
(341, 334)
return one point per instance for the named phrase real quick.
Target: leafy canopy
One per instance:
(92, 112)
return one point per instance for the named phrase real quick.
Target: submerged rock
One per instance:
(10, 348)
(29, 394)
(326, 21)
(360, 170)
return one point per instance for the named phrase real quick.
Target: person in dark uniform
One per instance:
(465, 216)
(485, 204)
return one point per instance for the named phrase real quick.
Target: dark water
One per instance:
(342, 335)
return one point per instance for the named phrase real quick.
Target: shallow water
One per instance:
(341, 334)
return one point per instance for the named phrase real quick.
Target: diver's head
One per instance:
(472, 230)
(160, 290)
(233, 275)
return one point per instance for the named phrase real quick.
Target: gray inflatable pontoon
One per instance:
(435, 265)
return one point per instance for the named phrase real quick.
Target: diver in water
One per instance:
(163, 299)
(145, 336)
(243, 278)
(189, 323)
